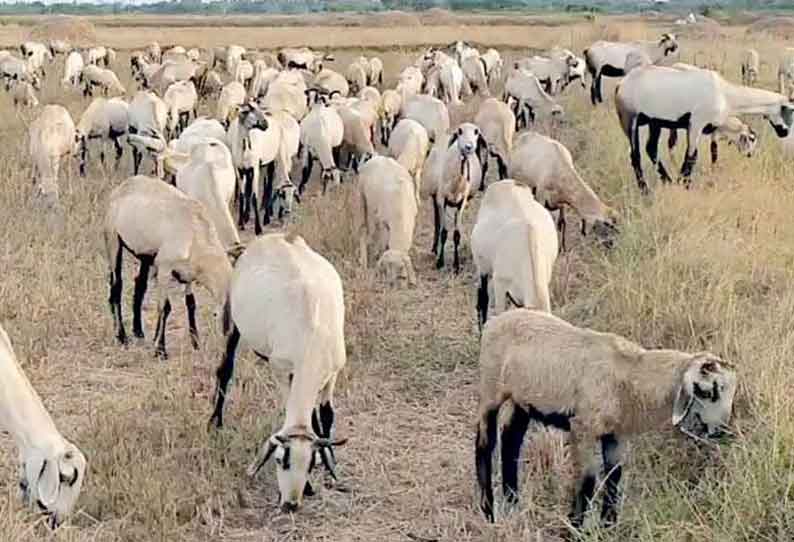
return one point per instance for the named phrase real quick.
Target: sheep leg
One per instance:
(162, 319)
(714, 151)
(482, 302)
(267, 198)
(636, 157)
(307, 172)
(561, 227)
(190, 305)
(119, 151)
(141, 283)
(137, 157)
(254, 198)
(436, 225)
(456, 236)
(248, 181)
(83, 157)
(512, 438)
(594, 87)
(238, 194)
(485, 444)
(442, 240)
(652, 148)
(484, 168)
(224, 375)
(612, 453)
(326, 418)
(502, 168)
(586, 463)
(116, 288)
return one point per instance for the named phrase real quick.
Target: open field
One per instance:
(709, 268)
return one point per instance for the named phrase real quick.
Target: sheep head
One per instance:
(53, 480)
(782, 119)
(705, 395)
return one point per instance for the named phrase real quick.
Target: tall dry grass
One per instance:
(702, 269)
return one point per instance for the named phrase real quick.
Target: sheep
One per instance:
(232, 96)
(170, 73)
(261, 82)
(372, 95)
(514, 244)
(199, 130)
(181, 99)
(429, 112)
(286, 97)
(605, 58)
(305, 347)
(705, 101)
(554, 73)
(375, 72)
(546, 166)
(785, 73)
(357, 135)
(163, 227)
(148, 115)
(154, 53)
(409, 145)
(94, 76)
(234, 55)
(751, 65)
(388, 202)
(450, 175)
(410, 82)
(102, 119)
(244, 73)
(529, 98)
(14, 69)
(332, 82)
(493, 63)
(24, 94)
(52, 138)
(193, 54)
(498, 125)
(59, 47)
(357, 76)
(213, 85)
(389, 111)
(53, 469)
(97, 54)
(450, 77)
(474, 71)
(35, 54)
(175, 54)
(302, 58)
(73, 69)
(321, 134)
(600, 387)
(209, 177)
(734, 132)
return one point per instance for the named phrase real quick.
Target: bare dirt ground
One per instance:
(709, 268)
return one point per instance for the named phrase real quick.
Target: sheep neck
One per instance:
(580, 196)
(303, 393)
(746, 100)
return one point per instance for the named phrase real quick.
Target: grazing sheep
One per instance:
(409, 145)
(163, 227)
(514, 244)
(304, 346)
(154, 52)
(148, 115)
(321, 133)
(429, 112)
(181, 99)
(546, 166)
(234, 55)
(106, 80)
(498, 125)
(13, 69)
(706, 101)
(600, 387)
(103, 119)
(209, 177)
(303, 58)
(751, 67)
(390, 108)
(450, 175)
(53, 469)
(332, 82)
(35, 54)
(52, 138)
(23, 94)
(388, 213)
(232, 96)
(493, 63)
(606, 58)
(213, 85)
(734, 132)
(357, 76)
(286, 97)
(73, 69)
(170, 73)
(553, 73)
(785, 73)
(375, 72)
(528, 98)
(59, 47)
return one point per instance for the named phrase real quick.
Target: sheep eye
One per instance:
(700, 393)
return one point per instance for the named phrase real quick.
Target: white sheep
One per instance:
(181, 99)
(474, 70)
(163, 227)
(23, 94)
(429, 112)
(357, 135)
(600, 387)
(154, 52)
(232, 96)
(209, 177)
(785, 73)
(13, 69)
(389, 111)
(410, 82)
(451, 174)
(102, 120)
(106, 80)
(357, 76)
(97, 54)
(409, 145)
(244, 73)
(234, 55)
(554, 73)
(525, 92)
(703, 99)
(546, 166)
(332, 82)
(35, 54)
(288, 97)
(59, 47)
(321, 133)
(498, 125)
(53, 469)
(148, 116)
(493, 65)
(73, 69)
(262, 80)
(171, 72)
(304, 347)
(302, 58)
(514, 246)
(606, 58)
(52, 138)
(388, 217)
(375, 71)
(751, 67)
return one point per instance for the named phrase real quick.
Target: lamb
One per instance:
(390, 107)
(409, 145)
(148, 115)
(305, 348)
(103, 119)
(450, 175)
(514, 244)
(321, 134)
(209, 177)
(429, 112)
(163, 227)
(106, 80)
(751, 67)
(606, 58)
(706, 101)
(23, 94)
(600, 387)
(388, 201)
(498, 125)
(52, 138)
(53, 469)
(785, 73)
(73, 69)
(528, 98)
(546, 166)
(332, 82)
(232, 96)
(181, 99)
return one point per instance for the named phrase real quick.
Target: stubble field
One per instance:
(710, 268)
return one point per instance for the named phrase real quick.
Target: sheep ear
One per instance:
(787, 112)
(683, 401)
(265, 452)
(49, 483)
(235, 251)
(454, 138)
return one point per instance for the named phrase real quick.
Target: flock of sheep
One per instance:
(286, 301)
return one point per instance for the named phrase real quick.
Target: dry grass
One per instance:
(709, 268)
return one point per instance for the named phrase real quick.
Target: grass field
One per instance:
(709, 268)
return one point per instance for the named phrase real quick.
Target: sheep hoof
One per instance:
(161, 354)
